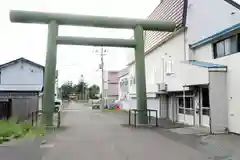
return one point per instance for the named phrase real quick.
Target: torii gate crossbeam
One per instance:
(55, 19)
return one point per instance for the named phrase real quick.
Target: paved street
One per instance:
(91, 135)
(88, 134)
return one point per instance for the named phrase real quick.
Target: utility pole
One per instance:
(102, 51)
(82, 89)
(103, 92)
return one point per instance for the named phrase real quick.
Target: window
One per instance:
(219, 49)
(126, 82)
(131, 82)
(153, 75)
(169, 67)
(205, 97)
(180, 102)
(205, 102)
(206, 111)
(57, 103)
(188, 105)
(226, 47)
(134, 80)
(231, 45)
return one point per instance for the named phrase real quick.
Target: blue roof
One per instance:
(205, 64)
(215, 36)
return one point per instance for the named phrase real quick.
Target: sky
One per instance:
(238, 1)
(29, 40)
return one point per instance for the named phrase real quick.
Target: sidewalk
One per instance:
(92, 135)
(217, 147)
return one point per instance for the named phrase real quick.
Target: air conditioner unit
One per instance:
(162, 87)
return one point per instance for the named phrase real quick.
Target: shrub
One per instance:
(26, 126)
(12, 129)
(6, 128)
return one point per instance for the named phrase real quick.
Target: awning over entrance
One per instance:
(208, 65)
(215, 76)
(197, 72)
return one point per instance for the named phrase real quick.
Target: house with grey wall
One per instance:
(21, 81)
(192, 74)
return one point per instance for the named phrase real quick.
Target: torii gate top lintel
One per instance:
(87, 20)
(55, 19)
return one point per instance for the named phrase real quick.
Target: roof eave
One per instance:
(233, 3)
(21, 59)
(235, 29)
(174, 34)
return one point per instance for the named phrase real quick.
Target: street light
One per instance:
(101, 66)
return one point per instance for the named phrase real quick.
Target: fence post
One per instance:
(59, 119)
(149, 116)
(32, 116)
(156, 118)
(36, 117)
(129, 117)
(135, 118)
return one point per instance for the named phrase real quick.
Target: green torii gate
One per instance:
(55, 19)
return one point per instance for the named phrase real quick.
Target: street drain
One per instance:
(47, 146)
(222, 158)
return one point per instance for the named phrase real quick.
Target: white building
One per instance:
(123, 88)
(218, 42)
(192, 74)
(155, 48)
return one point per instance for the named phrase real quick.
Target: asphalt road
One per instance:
(88, 134)
(92, 135)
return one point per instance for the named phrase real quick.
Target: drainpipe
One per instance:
(210, 114)
(184, 43)
(163, 67)
(200, 104)
(184, 103)
(167, 105)
(163, 77)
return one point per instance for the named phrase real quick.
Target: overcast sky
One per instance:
(29, 40)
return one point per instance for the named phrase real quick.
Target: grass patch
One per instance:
(10, 129)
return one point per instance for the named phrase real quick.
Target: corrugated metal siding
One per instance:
(23, 107)
(21, 87)
(172, 10)
(23, 103)
(17, 94)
